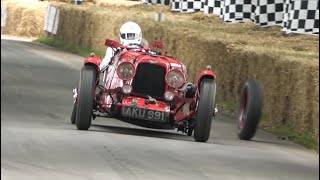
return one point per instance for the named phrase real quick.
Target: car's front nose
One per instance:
(147, 109)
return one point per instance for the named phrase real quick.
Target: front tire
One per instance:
(205, 110)
(250, 107)
(85, 97)
(74, 113)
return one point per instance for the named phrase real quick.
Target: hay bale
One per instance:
(26, 20)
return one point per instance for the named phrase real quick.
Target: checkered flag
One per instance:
(155, 2)
(304, 17)
(239, 10)
(212, 7)
(176, 5)
(191, 6)
(286, 11)
(269, 12)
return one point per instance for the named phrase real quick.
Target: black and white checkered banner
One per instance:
(187, 6)
(213, 6)
(191, 6)
(176, 5)
(295, 16)
(154, 2)
(301, 16)
(239, 10)
(269, 12)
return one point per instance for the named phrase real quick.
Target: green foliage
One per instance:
(68, 47)
(287, 132)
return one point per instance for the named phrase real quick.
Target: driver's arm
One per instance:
(106, 60)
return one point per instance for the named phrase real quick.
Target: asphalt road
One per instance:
(38, 141)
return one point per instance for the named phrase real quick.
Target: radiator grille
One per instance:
(149, 80)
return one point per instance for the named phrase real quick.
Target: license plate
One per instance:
(146, 114)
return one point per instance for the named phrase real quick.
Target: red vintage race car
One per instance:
(148, 89)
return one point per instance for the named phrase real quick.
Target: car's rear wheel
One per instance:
(74, 113)
(205, 110)
(250, 107)
(85, 97)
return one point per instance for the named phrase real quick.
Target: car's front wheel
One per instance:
(85, 97)
(205, 110)
(74, 113)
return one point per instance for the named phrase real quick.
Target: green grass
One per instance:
(306, 139)
(227, 107)
(85, 52)
(289, 133)
(284, 132)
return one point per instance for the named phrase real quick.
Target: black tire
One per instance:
(250, 107)
(85, 97)
(190, 131)
(74, 113)
(205, 110)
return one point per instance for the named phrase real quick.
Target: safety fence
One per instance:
(3, 16)
(51, 20)
(294, 16)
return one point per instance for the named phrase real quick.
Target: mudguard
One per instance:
(93, 60)
(206, 74)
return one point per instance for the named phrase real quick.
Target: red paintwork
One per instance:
(93, 59)
(160, 106)
(141, 57)
(136, 56)
(204, 74)
(157, 44)
(111, 43)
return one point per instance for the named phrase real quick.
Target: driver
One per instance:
(130, 35)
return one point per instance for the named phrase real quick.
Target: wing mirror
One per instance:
(157, 44)
(111, 43)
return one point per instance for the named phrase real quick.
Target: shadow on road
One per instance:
(141, 132)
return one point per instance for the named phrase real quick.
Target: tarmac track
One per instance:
(38, 141)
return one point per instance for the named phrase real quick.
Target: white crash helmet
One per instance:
(130, 33)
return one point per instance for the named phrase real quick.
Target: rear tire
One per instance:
(85, 97)
(250, 107)
(205, 110)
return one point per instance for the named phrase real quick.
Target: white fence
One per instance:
(3, 16)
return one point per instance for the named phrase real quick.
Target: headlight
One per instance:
(175, 78)
(126, 88)
(126, 71)
(168, 95)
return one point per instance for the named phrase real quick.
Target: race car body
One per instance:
(145, 88)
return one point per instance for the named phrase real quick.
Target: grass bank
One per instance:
(82, 51)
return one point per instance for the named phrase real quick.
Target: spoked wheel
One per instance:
(205, 110)
(85, 97)
(250, 106)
